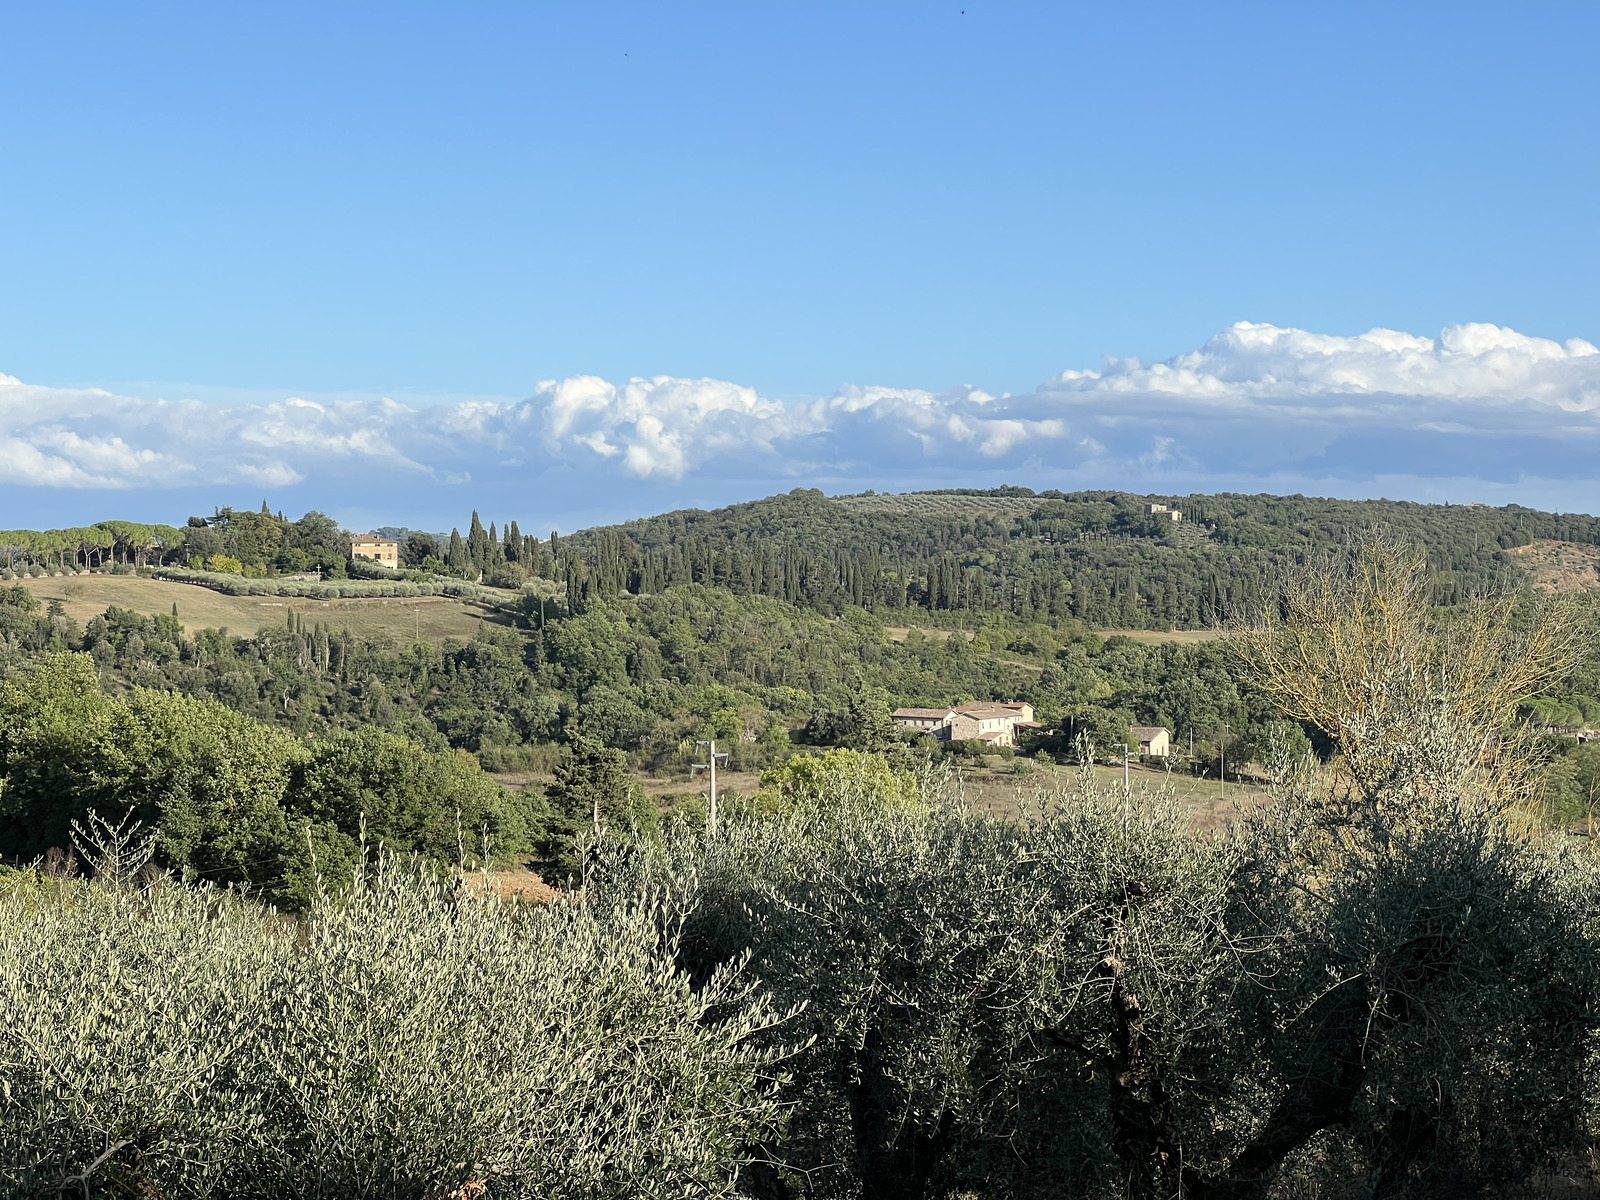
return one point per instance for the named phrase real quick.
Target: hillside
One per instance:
(1555, 566)
(1097, 557)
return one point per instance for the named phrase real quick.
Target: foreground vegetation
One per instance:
(870, 993)
(170, 1041)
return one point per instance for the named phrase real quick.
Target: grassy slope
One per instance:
(430, 618)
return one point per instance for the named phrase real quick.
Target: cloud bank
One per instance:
(1257, 408)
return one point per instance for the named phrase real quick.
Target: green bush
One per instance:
(232, 800)
(439, 805)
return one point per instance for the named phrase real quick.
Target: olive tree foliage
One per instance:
(1432, 1011)
(400, 1042)
(1374, 984)
(987, 1003)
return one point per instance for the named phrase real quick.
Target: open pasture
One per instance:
(421, 618)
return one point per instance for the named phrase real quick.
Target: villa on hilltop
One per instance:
(383, 551)
(996, 723)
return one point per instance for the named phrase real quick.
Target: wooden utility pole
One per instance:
(1124, 768)
(710, 765)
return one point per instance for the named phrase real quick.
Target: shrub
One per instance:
(409, 799)
(176, 1042)
(839, 777)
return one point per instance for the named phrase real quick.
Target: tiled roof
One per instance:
(931, 713)
(986, 710)
(1144, 733)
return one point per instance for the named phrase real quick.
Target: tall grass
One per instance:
(400, 1042)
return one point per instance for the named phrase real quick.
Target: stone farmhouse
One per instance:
(1161, 510)
(1150, 739)
(996, 724)
(383, 551)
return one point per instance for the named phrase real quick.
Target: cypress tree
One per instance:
(478, 543)
(457, 558)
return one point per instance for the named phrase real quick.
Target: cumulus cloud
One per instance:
(659, 426)
(1257, 407)
(1250, 365)
(1258, 400)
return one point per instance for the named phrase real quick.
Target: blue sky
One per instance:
(450, 206)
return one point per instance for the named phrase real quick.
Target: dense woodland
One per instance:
(1097, 557)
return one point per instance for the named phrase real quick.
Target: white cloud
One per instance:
(1247, 365)
(659, 426)
(1256, 406)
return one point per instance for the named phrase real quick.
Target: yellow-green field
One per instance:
(425, 618)
(1156, 635)
(897, 633)
(997, 790)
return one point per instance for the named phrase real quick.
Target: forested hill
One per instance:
(1096, 556)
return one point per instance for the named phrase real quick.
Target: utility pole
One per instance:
(710, 765)
(1124, 768)
(1223, 760)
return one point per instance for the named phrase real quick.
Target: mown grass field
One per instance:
(422, 618)
(1004, 791)
(1155, 635)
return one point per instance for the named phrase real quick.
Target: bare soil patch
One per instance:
(1152, 636)
(1559, 566)
(512, 883)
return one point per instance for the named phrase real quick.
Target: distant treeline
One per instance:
(1097, 557)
